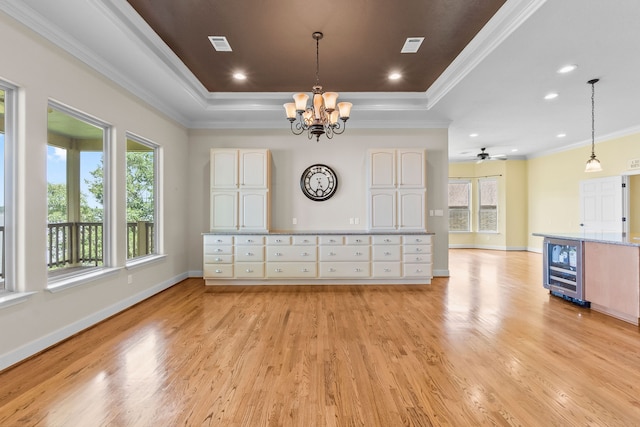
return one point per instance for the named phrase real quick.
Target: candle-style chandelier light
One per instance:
(593, 164)
(321, 118)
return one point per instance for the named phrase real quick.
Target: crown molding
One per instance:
(508, 18)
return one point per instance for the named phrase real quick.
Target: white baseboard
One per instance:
(440, 273)
(12, 357)
(489, 247)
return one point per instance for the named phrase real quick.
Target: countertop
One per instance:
(632, 239)
(322, 233)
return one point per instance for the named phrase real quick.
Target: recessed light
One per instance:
(473, 135)
(561, 135)
(551, 95)
(513, 150)
(395, 76)
(239, 76)
(567, 68)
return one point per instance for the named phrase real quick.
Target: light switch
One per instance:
(439, 212)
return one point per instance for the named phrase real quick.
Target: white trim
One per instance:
(16, 355)
(506, 20)
(441, 273)
(67, 282)
(489, 247)
(7, 299)
(137, 262)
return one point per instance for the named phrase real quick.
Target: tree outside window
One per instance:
(459, 205)
(488, 204)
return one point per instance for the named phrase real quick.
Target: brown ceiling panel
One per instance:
(272, 42)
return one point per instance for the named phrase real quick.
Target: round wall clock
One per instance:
(318, 182)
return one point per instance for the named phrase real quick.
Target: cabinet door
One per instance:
(254, 168)
(382, 209)
(224, 169)
(382, 169)
(411, 211)
(253, 210)
(224, 210)
(411, 168)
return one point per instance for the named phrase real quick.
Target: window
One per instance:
(141, 197)
(488, 205)
(6, 176)
(76, 191)
(459, 205)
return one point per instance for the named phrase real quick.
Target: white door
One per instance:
(601, 205)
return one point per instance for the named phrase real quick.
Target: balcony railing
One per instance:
(79, 244)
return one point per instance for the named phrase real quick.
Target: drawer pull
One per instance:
(278, 270)
(278, 253)
(218, 259)
(358, 253)
(305, 241)
(387, 240)
(387, 253)
(278, 240)
(418, 240)
(305, 270)
(249, 254)
(332, 240)
(332, 254)
(418, 249)
(219, 250)
(304, 254)
(218, 271)
(418, 258)
(387, 270)
(249, 240)
(358, 240)
(219, 240)
(418, 270)
(358, 270)
(248, 270)
(332, 270)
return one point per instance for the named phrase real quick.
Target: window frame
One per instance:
(480, 209)
(469, 208)
(9, 285)
(141, 259)
(72, 279)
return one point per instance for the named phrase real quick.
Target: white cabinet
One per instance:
(324, 258)
(397, 189)
(239, 189)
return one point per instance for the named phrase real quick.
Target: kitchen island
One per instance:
(610, 271)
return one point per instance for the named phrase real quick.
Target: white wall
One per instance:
(42, 71)
(346, 154)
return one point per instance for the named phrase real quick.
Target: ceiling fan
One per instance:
(483, 155)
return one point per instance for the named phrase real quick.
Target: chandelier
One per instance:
(593, 164)
(322, 116)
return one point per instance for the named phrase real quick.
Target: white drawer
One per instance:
(304, 240)
(218, 259)
(420, 258)
(217, 250)
(344, 269)
(278, 240)
(417, 270)
(250, 270)
(218, 240)
(331, 240)
(217, 270)
(416, 240)
(417, 249)
(249, 240)
(357, 240)
(249, 253)
(383, 270)
(344, 253)
(291, 270)
(386, 240)
(291, 253)
(386, 253)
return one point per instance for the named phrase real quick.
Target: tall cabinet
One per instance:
(239, 189)
(397, 189)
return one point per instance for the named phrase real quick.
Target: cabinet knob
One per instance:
(249, 254)
(358, 253)
(387, 240)
(249, 240)
(248, 270)
(278, 270)
(418, 240)
(218, 259)
(278, 253)
(218, 271)
(219, 250)
(332, 270)
(305, 270)
(387, 253)
(304, 254)
(278, 240)
(358, 240)
(387, 270)
(358, 270)
(418, 250)
(332, 253)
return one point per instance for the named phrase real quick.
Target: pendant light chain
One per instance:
(593, 117)
(317, 61)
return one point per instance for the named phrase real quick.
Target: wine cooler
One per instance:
(563, 274)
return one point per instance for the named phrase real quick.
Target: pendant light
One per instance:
(593, 164)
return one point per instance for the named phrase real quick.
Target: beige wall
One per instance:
(291, 154)
(43, 72)
(512, 209)
(554, 185)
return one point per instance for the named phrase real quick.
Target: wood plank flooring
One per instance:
(487, 346)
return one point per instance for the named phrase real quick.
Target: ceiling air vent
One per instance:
(412, 44)
(220, 43)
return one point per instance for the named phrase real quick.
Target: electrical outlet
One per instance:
(294, 221)
(351, 221)
(357, 220)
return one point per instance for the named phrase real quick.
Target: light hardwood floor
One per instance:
(487, 346)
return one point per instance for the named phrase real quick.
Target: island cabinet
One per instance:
(612, 279)
(317, 258)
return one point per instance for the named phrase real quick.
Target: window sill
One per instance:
(144, 260)
(64, 283)
(8, 299)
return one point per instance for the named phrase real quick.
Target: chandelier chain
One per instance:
(593, 117)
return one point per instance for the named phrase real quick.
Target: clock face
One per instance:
(318, 182)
